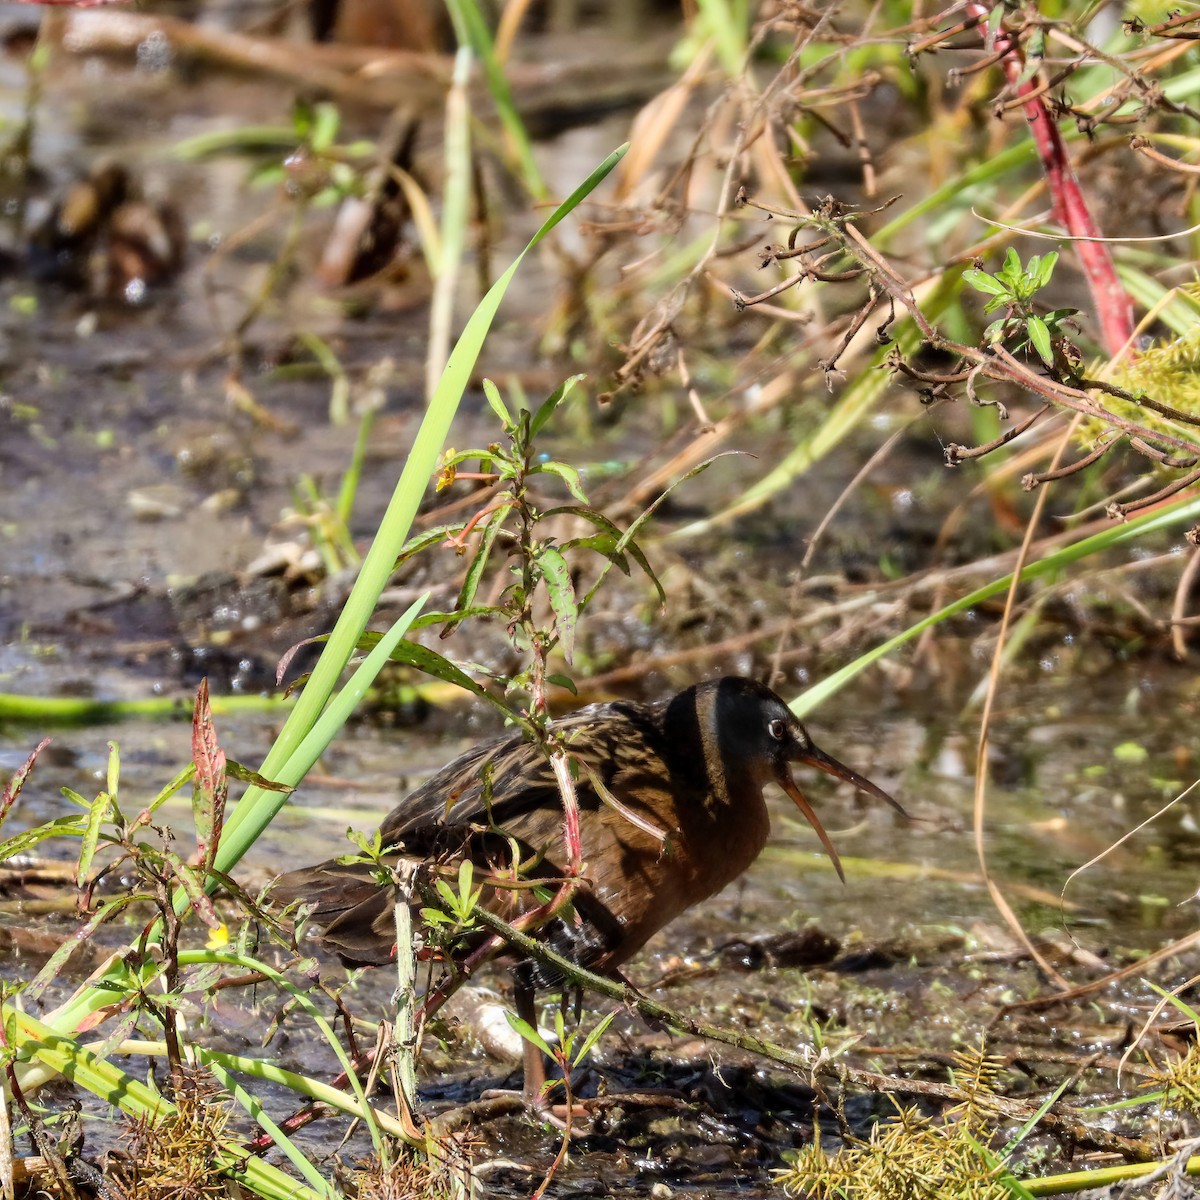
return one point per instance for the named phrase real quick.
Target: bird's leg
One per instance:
(533, 1091)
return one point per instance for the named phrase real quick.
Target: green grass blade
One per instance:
(253, 1105)
(32, 1039)
(1106, 539)
(472, 28)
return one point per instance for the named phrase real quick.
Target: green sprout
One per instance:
(1013, 289)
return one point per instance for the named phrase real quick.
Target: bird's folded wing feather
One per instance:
(509, 784)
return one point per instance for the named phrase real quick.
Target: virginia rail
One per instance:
(671, 810)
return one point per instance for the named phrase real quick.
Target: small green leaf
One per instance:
(458, 457)
(563, 681)
(1045, 269)
(246, 775)
(173, 788)
(60, 827)
(114, 770)
(528, 1032)
(592, 1038)
(325, 121)
(466, 898)
(436, 617)
(983, 282)
(466, 594)
(201, 901)
(567, 474)
(97, 814)
(546, 411)
(492, 393)
(1039, 335)
(557, 577)
(603, 544)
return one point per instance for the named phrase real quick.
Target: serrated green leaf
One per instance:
(1039, 335)
(557, 577)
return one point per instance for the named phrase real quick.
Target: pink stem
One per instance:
(1113, 306)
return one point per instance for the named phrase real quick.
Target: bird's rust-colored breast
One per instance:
(709, 830)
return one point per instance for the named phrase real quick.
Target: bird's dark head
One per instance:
(760, 738)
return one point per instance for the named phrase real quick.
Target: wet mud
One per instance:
(151, 538)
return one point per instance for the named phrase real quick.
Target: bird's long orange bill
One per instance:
(815, 757)
(789, 785)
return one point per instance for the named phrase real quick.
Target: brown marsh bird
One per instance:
(671, 810)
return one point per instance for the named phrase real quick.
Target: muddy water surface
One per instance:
(136, 495)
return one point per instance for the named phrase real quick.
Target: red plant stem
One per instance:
(1114, 309)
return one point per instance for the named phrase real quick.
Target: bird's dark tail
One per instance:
(355, 913)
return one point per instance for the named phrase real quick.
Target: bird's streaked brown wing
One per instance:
(508, 783)
(614, 743)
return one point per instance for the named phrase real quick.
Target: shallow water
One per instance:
(127, 477)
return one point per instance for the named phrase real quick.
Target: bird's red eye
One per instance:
(777, 729)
